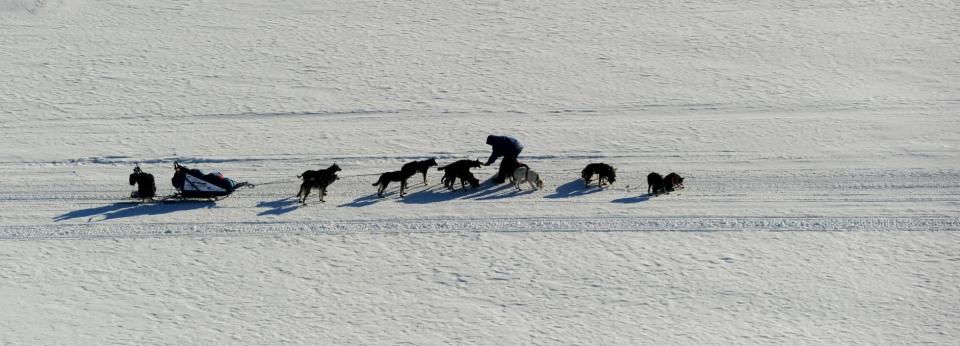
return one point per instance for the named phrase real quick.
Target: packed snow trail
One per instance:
(795, 171)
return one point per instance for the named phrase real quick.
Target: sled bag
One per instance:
(194, 183)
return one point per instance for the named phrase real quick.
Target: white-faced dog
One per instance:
(525, 174)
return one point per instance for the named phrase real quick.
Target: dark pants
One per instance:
(507, 165)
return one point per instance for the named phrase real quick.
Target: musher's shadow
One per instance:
(124, 210)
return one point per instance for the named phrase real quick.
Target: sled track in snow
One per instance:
(504, 225)
(714, 200)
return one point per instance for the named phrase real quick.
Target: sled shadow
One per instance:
(279, 207)
(123, 210)
(573, 189)
(637, 199)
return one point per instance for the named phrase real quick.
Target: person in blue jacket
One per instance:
(507, 147)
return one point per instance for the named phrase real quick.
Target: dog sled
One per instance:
(196, 185)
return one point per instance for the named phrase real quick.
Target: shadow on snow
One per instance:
(573, 189)
(122, 210)
(505, 190)
(434, 194)
(636, 199)
(363, 201)
(279, 207)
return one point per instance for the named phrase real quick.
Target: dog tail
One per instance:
(441, 168)
(378, 181)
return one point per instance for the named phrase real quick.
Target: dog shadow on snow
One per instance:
(573, 189)
(278, 207)
(635, 199)
(486, 191)
(439, 193)
(505, 190)
(365, 200)
(431, 194)
(124, 210)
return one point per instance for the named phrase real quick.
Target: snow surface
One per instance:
(818, 141)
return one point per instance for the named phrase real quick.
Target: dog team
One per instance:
(502, 146)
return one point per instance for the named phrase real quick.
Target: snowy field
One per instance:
(819, 142)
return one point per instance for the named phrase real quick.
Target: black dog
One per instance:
(460, 170)
(386, 178)
(673, 181)
(321, 183)
(146, 187)
(309, 175)
(317, 180)
(465, 178)
(655, 184)
(419, 167)
(603, 170)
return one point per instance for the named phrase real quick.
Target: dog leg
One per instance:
(306, 193)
